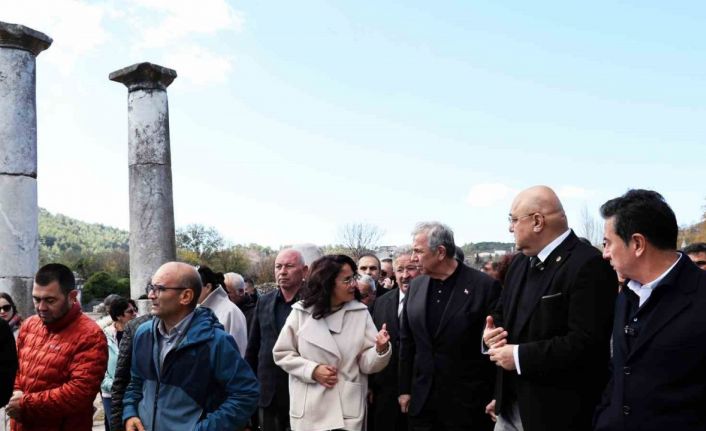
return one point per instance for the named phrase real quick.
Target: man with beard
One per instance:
(387, 415)
(63, 355)
(270, 314)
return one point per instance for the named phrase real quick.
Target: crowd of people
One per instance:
(559, 336)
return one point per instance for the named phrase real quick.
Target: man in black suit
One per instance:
(445, 380)
(550, 334)
(271, 312)
(8, 362)
(659, 336)
(387, 415)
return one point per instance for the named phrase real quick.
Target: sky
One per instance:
(290, 119)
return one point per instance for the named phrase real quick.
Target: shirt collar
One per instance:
(402, 295)
(546, 251)
(178, 329)
(635, 285)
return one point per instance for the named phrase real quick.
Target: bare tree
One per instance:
(590, 228)
(359, 238)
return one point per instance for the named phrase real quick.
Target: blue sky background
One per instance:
(291, 119)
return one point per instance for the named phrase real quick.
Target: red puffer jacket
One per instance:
(61, 368)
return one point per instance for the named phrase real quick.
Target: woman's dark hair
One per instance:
(208, 276)
(8, 298)
(133, 303)
(117, 308)
(220, 280)
(321, 281)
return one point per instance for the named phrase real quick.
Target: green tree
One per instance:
(101, 284)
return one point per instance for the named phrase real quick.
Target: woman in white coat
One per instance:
(329, 345)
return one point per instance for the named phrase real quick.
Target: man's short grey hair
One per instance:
(402, 251)
(238, 281)
(437, 234)
(301, 260)
(367, 280)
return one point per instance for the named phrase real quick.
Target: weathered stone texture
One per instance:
(148, 127)
(152, 237)
(18, 114)
(19, 233)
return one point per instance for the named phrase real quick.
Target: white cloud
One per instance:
(489, 194)
(161, 23)
(574, 192)
(199, 65)
(77, 27)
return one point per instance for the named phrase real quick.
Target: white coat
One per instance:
(345, 339)
(230, 316)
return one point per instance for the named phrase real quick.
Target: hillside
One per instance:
(60, 235)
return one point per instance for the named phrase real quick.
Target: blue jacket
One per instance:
(204, 384)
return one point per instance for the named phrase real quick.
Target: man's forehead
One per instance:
(403, 260)
(287, 257)
(51, 290)
(164, 275)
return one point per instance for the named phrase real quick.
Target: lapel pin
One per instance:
(558, 258)
(465, 291)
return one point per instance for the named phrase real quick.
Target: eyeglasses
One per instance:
(161, 289)
(513, 220)
(6, 308)
(350, 280)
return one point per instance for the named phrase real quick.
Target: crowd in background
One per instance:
(559, 336)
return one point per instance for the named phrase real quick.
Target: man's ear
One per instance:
(73, 295)
(187, 296)
(639, 244)
(441, 252)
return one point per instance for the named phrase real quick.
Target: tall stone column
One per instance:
(152, 238)
(19, 231)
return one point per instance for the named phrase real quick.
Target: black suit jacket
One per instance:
(8, 362)
(660, 384)
(261, 341)
(385, 311)
(563, 336)
(451, 358)
(386, 410)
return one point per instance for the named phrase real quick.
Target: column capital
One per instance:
(144, 76)
(21, 37)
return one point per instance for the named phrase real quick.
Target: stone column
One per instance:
(19, 232)
(152, 239)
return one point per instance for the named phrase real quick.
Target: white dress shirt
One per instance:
(645, 290)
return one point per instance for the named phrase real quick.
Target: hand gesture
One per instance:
(493, 337)
(387, 283)
(490, 410)
(404, 400)
(326, 375)
(13, 406)
(382, 339)
(134, 424)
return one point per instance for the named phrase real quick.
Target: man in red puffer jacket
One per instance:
(63, 355)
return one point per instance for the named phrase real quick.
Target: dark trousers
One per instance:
(275, 417)
(386, 412)
(443, 412)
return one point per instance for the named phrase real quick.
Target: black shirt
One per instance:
(283, 308)
(437, 298)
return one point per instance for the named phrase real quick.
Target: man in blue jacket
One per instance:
(187, 373)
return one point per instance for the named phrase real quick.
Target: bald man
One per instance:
(186, 371)
(550, 334)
